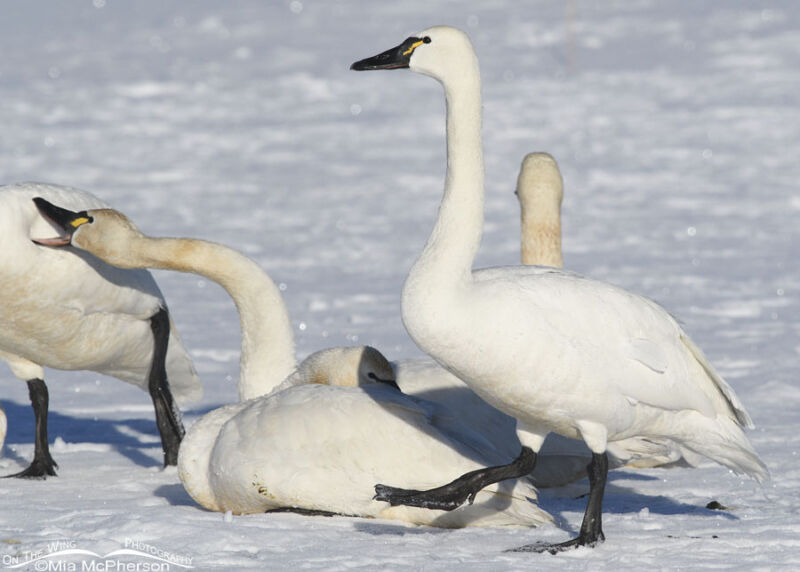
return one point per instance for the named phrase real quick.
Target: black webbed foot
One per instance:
(541, 547)
(43, 465)
(447, 497)
(461, 490)
(591, 528)
(38, 469)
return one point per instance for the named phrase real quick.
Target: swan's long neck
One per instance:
(446, 261)
(267, 340)
(541, 234)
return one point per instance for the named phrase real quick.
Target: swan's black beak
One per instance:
(66, 221)
(389, 382)
(398, 57)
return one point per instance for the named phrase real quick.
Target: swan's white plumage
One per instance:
(3, 428)
(66, 309)
(323, 447)
(310, 446)
(553, 349)
(561, 460)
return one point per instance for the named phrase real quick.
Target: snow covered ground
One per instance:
(677, 129)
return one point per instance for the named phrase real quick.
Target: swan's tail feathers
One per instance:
(502, 504)
(722, 440)
(736, 407)
(183, 380)
(644, 452)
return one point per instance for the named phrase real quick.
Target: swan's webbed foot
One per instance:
(540, 547)
(41, 468)
(592, 526)
(447, 497)
(43, 464)
(461, 490)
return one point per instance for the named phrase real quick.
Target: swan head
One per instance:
(539, 185)
(106, 233)
(441, 52)
(347, 366)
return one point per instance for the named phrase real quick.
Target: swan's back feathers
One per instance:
(597, 323)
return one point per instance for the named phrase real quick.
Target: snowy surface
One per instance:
(677, 129)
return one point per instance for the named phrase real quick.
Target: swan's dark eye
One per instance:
(372, 376)
(427, 39)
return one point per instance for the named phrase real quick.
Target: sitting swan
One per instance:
(557, 351)
(65, 309)
(308, 447)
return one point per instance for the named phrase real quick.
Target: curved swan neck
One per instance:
(453, 243)
(267, 340)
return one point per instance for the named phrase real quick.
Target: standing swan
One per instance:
(65, 309)
(309, 447)
(561, 460)
(540, 190)
(557, 351)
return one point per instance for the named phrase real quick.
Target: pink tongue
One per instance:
(58, 241)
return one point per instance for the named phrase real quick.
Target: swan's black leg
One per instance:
(168, 417)
(592, 526)
(43, 464)
(464, 488)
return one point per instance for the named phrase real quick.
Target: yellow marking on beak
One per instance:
(78, 222)
(413, 47)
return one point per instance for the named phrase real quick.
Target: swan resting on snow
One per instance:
(308, 447)
(557, 351)
(65, 309)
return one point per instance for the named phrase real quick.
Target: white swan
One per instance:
(66, 309)
(560, 460)
(309, 447)
(3, 427)
(557, 351)
(540, 190)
